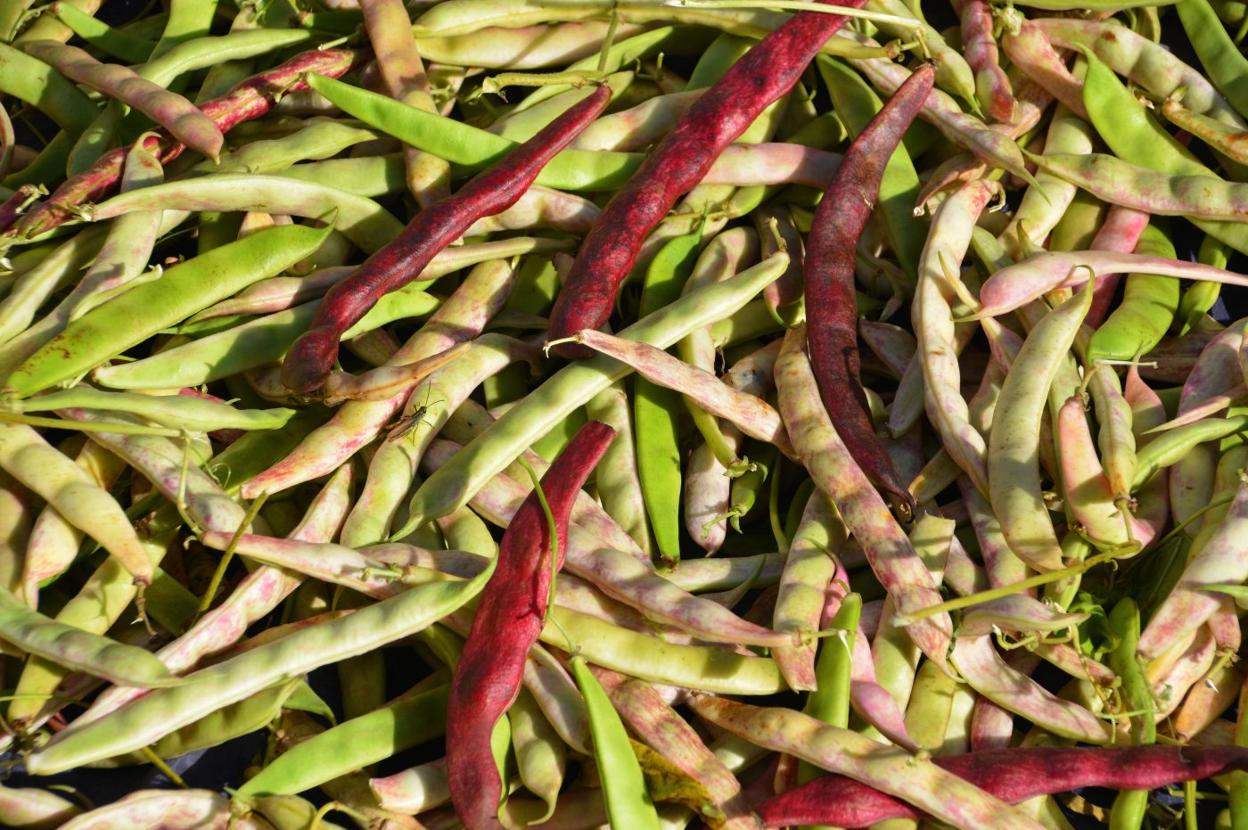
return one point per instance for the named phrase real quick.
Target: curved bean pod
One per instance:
(1017, 285)
(351, 745)
(809, 569)
(103, 598)
(917, 781)
(80, 650)
(493, 191)
(1029, 48)
(428, 406)
(829, 281)
(486, 681)
(935, 332)
(665, 731)
(940, 110)
(1013, 775)
(453, 484)
(749, 413)
(1218, 54)
(609, 251)
(1168, 448)
(167, 809)
(184, 120)
(624, 789)
(69, 489)
(978, 662)
(1014, 487)
(389, 31)
(1150, 191)
(184, 289)
(992, 85)
(889, 552)
(1230, 141)
(165, 710)
(29, 808)
(173, 410)
(365, 222)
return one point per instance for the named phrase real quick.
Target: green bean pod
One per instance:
(194, 285)
(166, 710)
(470, 147)
(1148, 306)
(1199, 297)
(655, 410)
(1014, 486)
(1219, 55)
(829, 702)
(233, 721)
(1137, 697)
(179, 411)
(1168, 447)
(80, 650)
(364, 222)
(352, 745)
(1134, 136)
(623, 786)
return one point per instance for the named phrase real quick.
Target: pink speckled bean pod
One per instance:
(979, 664)
(749, 413)
(1017, 285)
(910, 778)
(180, 117)
(258, 594)
(890, 554)
(1089, 496)
(992, 86)
(1120, 232)
(637, 127)
(54, 542)
(870, 700)
(1028, 48)
(932, 314)
(804, 587)
(708, 491)
(541, 207)
(355, 424)
(659, 726)
(389, 30)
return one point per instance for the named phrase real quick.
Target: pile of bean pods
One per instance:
(645, 414)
